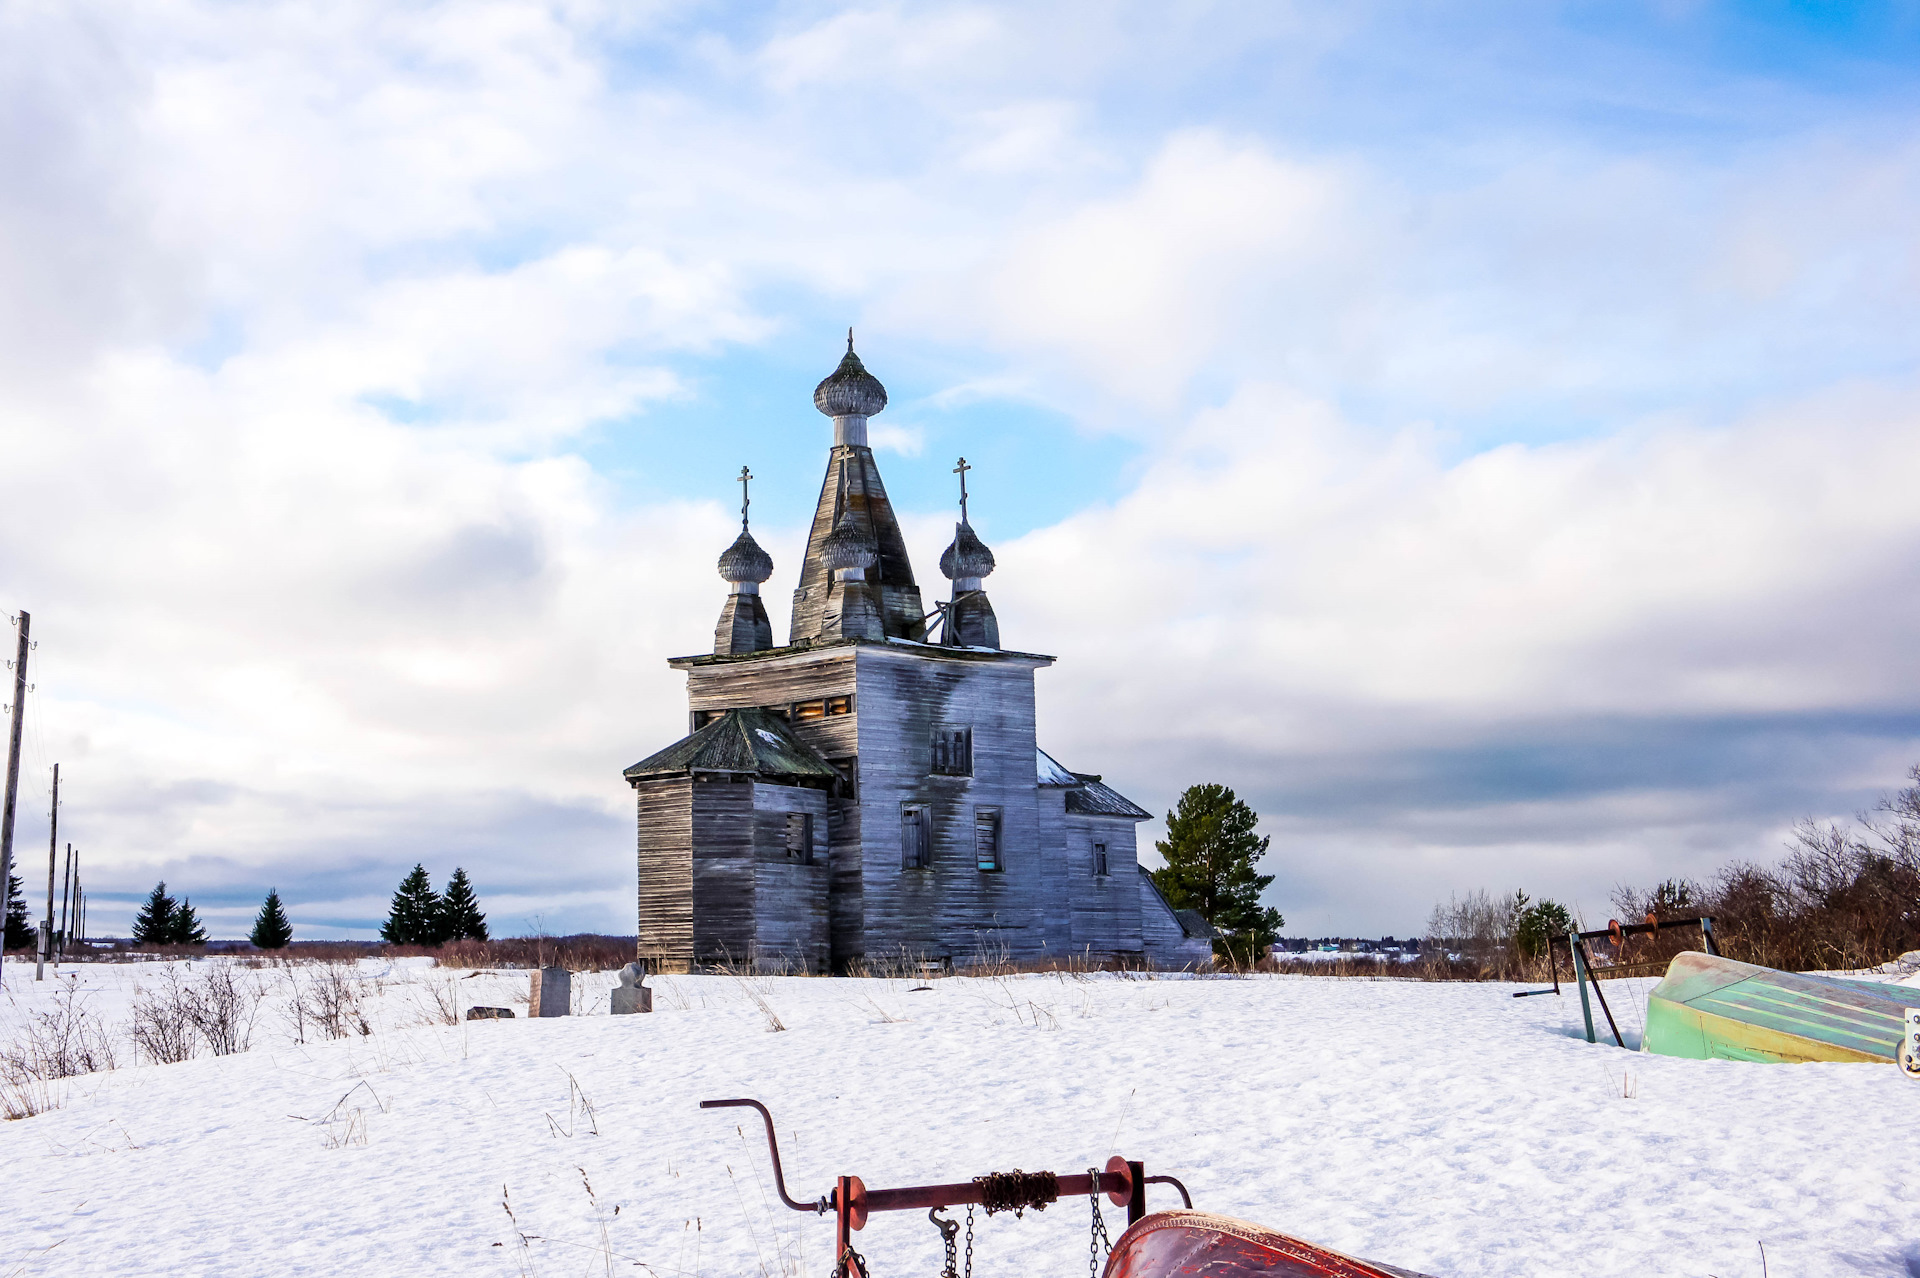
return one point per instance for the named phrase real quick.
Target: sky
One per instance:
(1484, 436)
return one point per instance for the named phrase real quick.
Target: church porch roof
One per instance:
(751, 741)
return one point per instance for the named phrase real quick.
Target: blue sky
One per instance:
(1480, 434)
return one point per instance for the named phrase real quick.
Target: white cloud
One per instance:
(1453, 466)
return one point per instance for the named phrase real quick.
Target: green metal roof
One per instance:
(751, 741)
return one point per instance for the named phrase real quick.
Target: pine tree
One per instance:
(19, 931)
(1210, 850)
(460, 916)
(154, 924)
(415, 916)
(186, 928)
(272, 929)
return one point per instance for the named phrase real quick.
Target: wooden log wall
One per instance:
(666, 873)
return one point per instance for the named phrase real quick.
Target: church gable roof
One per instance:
(1092, 798)
(749, 741)
(1086, 794)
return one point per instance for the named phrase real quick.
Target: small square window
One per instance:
(1100, 869)
(952, 752)
(800, 837)
(916, 838)
(986, 839)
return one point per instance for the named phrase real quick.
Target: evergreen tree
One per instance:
(186, 928)
(415, 916)
(1536, 925)
(1210, 850)
(460, 916)
(154, 924)
(19, 929)
(272, 929)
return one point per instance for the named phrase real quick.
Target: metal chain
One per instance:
(969, 1240)
(850, 1264)
(1097, 1240)
(947, 1228)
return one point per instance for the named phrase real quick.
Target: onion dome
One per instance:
(850, 390)
(849, 546)
(745, 561)
(968, 556)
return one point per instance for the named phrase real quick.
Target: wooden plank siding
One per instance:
(666, 873)
(723, 869)
(950, 909)
(789, 896)
(1105, 908)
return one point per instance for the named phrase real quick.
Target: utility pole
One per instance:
(66, 900)
(53, 843)
(13, 755)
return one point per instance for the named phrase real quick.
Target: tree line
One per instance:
(418, 916)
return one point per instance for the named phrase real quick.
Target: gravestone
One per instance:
(632, 994)
(552, 992)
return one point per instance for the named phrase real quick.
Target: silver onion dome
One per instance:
(849, 546)
(850, 390)
(967, 556)
(745, 561)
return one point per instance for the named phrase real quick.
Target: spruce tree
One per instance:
(153, 925)
(272, 929)
(19, 934)
(415, 916)
(186, 928)
(460, 916)
(1210, 850)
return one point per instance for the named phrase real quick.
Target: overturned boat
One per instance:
(1713, 1008)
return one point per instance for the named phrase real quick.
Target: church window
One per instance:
(952, 752)
(800, 837)
(848, 766)
(986, 839)
(1100, 860)
(824, 708)
(916, 837)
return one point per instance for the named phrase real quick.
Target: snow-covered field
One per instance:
(1447, 1128)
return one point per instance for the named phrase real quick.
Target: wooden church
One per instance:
(874, 788)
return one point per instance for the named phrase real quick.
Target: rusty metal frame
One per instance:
(1123, 1182)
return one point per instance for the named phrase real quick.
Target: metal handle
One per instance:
(773, 1148)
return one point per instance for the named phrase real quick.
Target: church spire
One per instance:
(839, 598)
(970, 622)
(743, 625)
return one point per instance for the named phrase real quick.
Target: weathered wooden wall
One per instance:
(950, 909)
(1165, 943)
(1105, 908)
(723, 870)
(790, 897)
(666, 873)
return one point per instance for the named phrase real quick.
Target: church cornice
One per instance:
(909, 649)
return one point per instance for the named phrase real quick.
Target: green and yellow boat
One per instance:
(1712, 1008)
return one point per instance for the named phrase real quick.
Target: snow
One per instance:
(1447, 1128)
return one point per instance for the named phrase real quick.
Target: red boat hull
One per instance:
(1198, 1244)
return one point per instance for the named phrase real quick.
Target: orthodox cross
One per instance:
(745, 501)
(961, 470)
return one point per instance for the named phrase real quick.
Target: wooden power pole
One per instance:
(13, 757)
(53, 843)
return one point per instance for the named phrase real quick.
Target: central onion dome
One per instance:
(850, 390)
(849, 546)
(745, 561)
(967, 556)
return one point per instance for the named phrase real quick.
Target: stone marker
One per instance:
(489, 1013)
(632, 995)
(552, 993)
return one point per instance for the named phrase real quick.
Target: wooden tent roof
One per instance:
(750, 741)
